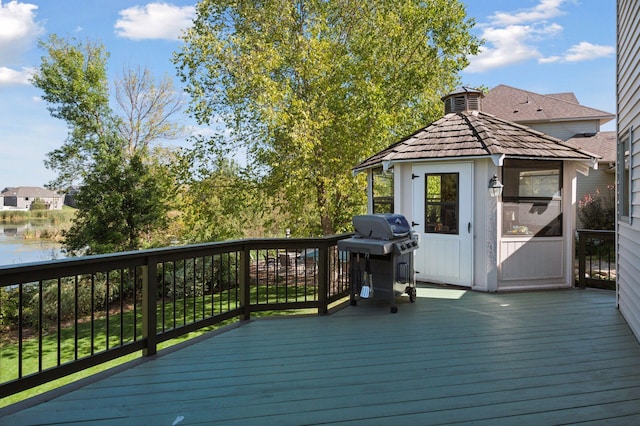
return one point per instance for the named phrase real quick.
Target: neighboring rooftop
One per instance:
(602, 144)
(522, 106)
(28, 191)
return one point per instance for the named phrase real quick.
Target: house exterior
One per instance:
(561, 115)
(21, 198)
(603, 144)
(70, 196)
(628, 166)
(443, 176)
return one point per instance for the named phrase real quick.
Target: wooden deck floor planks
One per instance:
(452, 357)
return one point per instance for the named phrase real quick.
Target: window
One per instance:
(532, 198)
(623, 176)
(382, 190)
(441, 203)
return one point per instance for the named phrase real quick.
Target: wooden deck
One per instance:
(452, 357)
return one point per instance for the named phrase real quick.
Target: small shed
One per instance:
(492, 201)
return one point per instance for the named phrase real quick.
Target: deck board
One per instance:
(452, 357)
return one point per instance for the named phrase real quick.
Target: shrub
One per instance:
(38, 204)
(598, 211)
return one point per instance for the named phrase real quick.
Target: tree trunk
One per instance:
(322, 201)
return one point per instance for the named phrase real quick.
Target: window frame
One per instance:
(443, 227)
(623, 179)
(378, 202)
(534, 201)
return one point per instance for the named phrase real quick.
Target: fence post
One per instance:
(323, 279)
(582, 261)
(149, 314)
(245, 282)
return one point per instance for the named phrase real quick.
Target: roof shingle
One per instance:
(522, 106)
(475, 134)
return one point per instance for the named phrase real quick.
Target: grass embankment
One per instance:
(47, 224)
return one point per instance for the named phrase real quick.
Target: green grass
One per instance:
(218, 303)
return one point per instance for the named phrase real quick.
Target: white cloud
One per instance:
(11, 77)
(504, 46)
(585, 51)
(510, 45)
(547, 9)
(514, 37)
(18, 30)
(154, 21)
(550, 59)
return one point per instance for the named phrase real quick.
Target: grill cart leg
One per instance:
(394, 303)
(356, 277)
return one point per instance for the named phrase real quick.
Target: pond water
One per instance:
(15, 249)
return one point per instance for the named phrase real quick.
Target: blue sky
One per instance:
(545, 46)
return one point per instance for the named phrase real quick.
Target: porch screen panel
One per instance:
(442, 203)
(532, 198)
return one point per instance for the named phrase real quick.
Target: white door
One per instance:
(443, 213)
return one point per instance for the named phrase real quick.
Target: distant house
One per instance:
(70, 196)
(628, 164)
(560, 115)
(21, 198)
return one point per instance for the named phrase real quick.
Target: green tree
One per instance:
(118, 205)
(125, 188)
(220, 202)
(310, 88)
(38, 204)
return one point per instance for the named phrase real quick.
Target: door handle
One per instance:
(469, 228)
(413, 224)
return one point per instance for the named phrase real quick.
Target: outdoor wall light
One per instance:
(495, 187)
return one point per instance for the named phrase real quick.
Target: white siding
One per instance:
(566, 129)
(628, 76)
(533, 259)
(485, 270)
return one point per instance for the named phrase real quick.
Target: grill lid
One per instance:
(384, 226)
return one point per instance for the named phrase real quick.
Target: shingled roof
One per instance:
(472, 134)
(602, 144)
(29, 191)
(523, 106)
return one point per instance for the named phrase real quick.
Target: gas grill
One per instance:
(381, 258)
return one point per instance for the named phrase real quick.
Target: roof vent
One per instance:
(464, 99)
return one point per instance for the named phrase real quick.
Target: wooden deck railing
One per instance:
(64, 316)
(596, 254)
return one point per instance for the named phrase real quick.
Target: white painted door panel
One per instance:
(445, 256)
